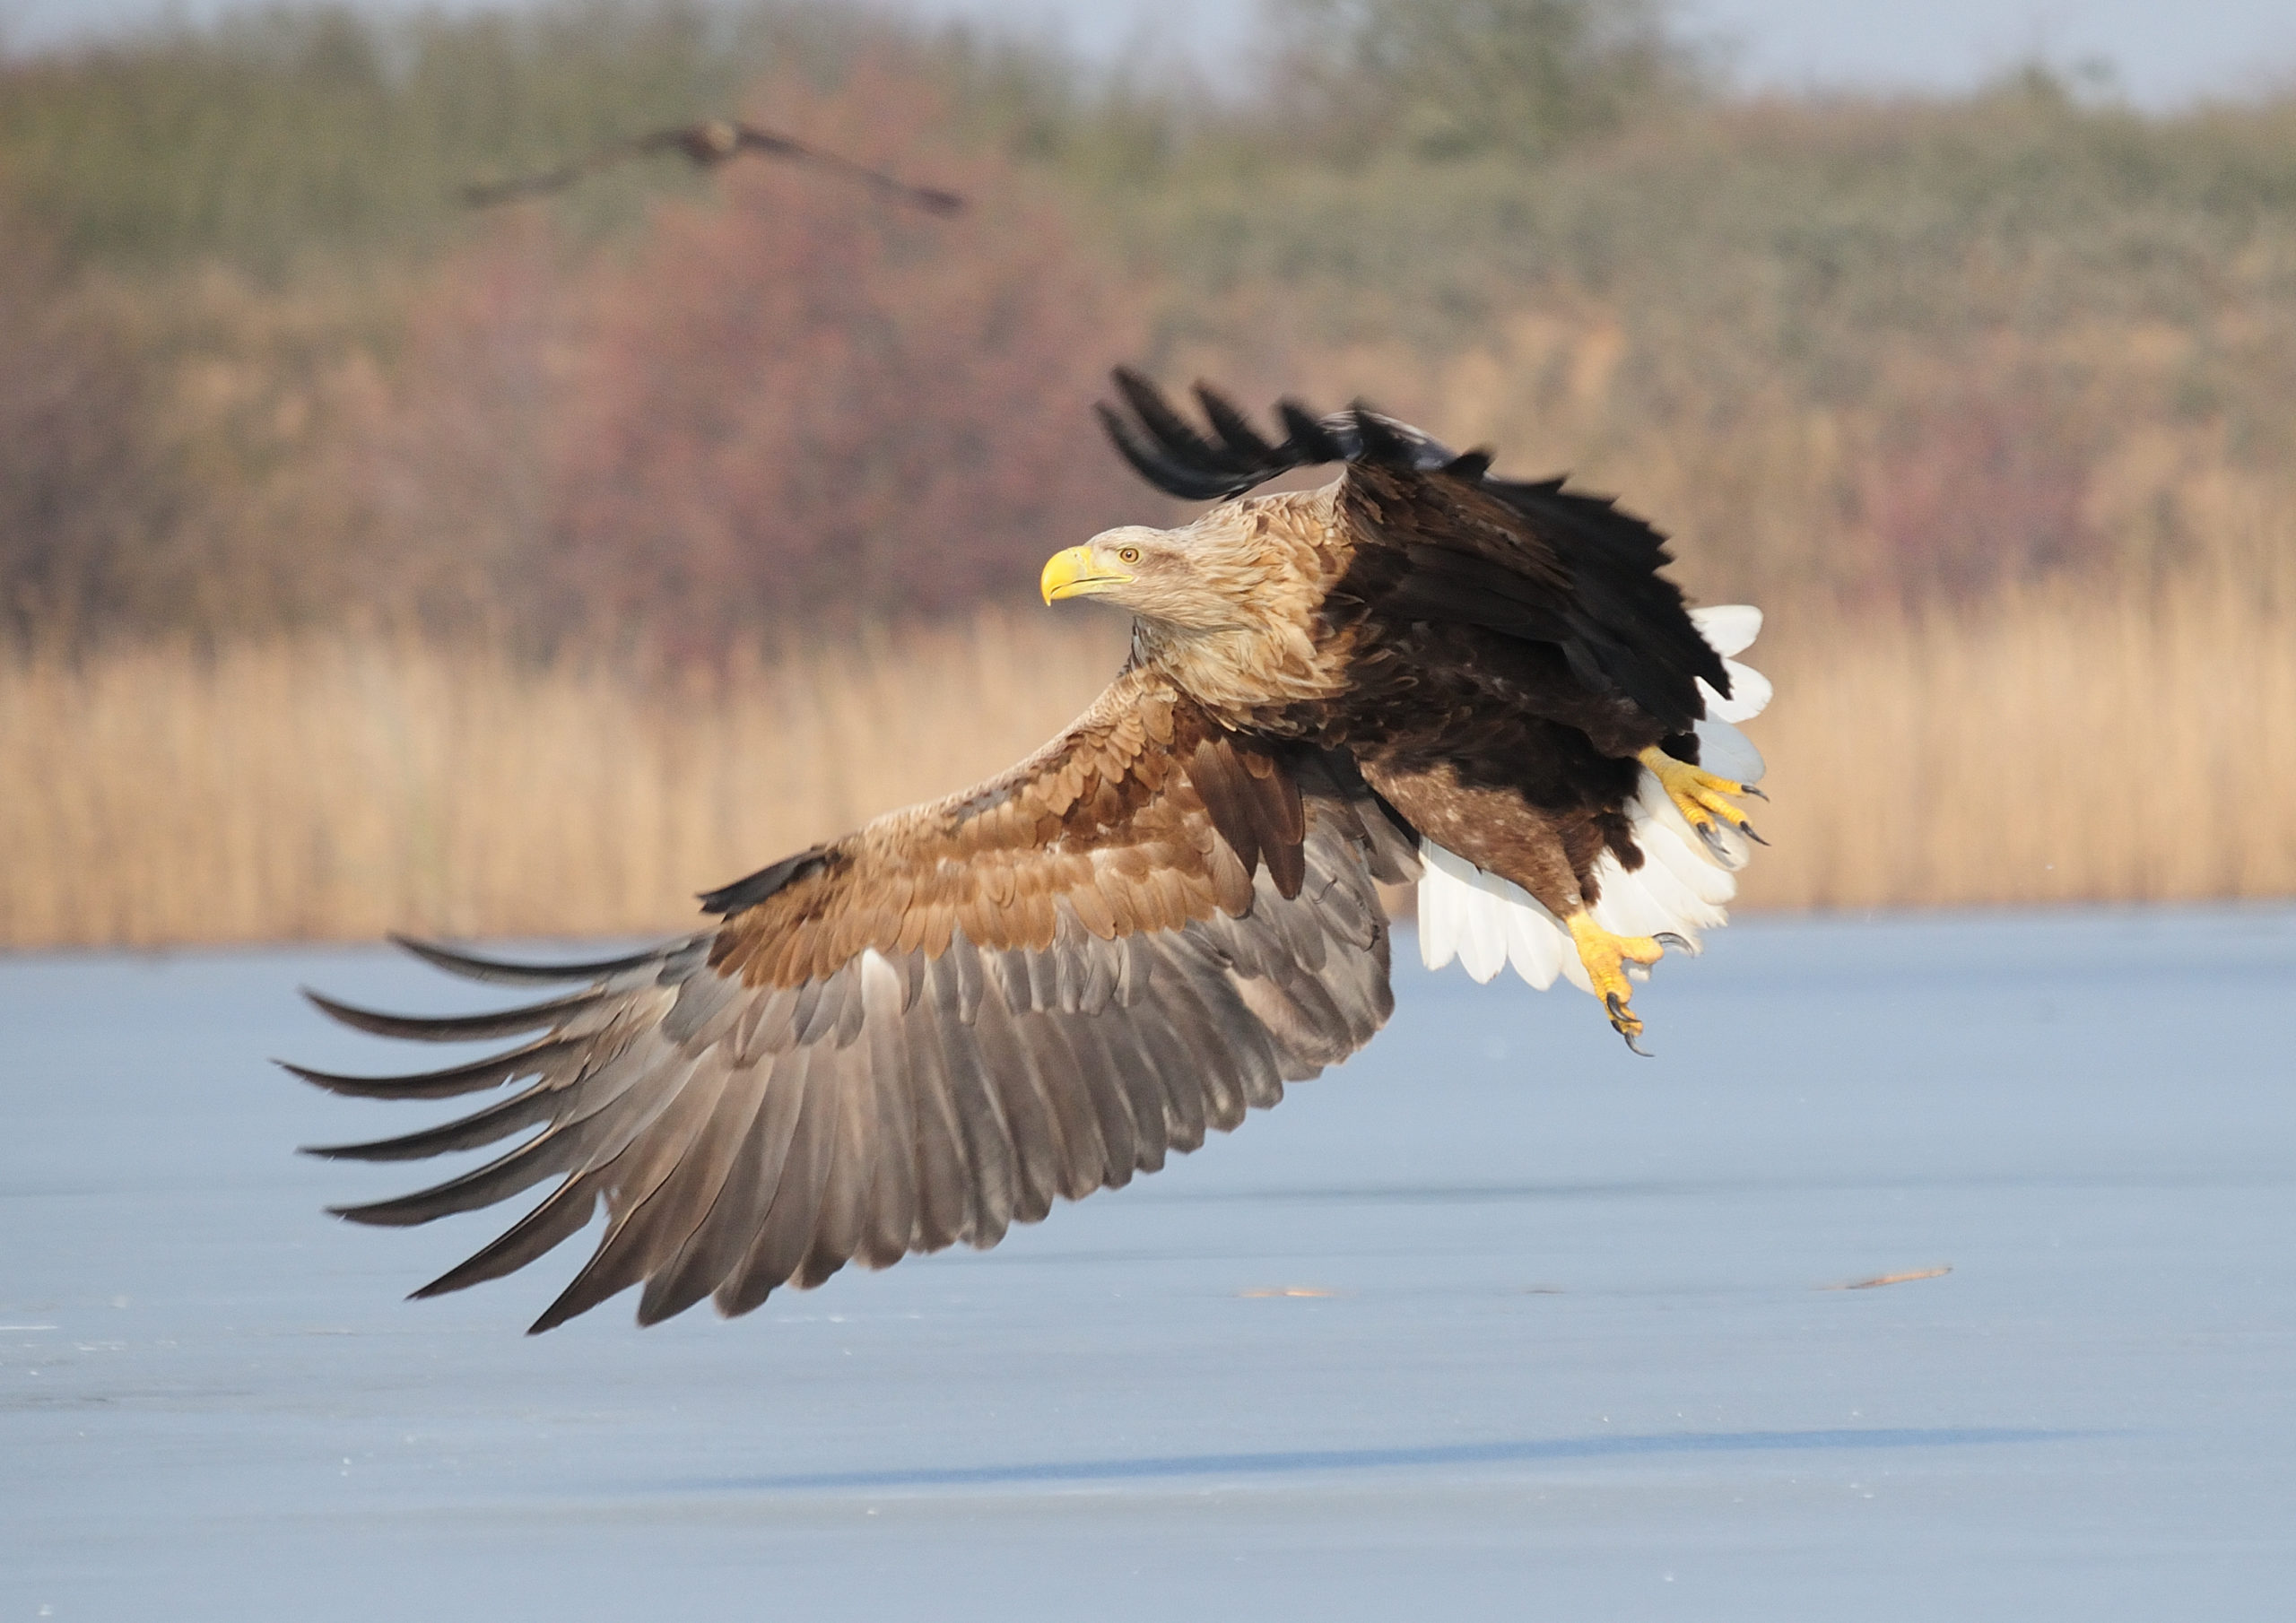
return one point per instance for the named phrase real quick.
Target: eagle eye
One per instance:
(1128, 554)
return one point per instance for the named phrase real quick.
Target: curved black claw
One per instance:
(1747, 829)
(1619, 1019)
(1751, 789)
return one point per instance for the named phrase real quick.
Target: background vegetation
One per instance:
(1987, 400)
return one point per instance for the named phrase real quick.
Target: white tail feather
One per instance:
(1438, 907)
(1727, 752)
(1728, 628)
(1681, 888)
(1749, 694)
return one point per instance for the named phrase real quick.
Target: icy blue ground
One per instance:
(1577, 1363)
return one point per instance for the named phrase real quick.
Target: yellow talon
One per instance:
(1606, 957)
(1700, 797)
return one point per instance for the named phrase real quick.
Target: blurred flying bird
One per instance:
(930, 1029)
(707, 145)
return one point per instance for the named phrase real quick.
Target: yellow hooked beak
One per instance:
(1074, 574)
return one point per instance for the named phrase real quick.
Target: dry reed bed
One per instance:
(329, 791)
(2043, 751)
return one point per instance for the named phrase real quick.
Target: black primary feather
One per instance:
(454, 1028)
(747, 892)
(1168, 452)
(1234, 428)
(1160, 470)
(470, 966)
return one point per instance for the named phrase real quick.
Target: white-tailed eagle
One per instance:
(931, 1028)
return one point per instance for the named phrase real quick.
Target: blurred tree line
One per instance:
(259, 370)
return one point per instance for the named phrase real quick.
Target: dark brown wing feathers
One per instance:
(1255, 806)
(1437, 539)
(935, 1028)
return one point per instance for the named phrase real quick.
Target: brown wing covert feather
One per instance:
(932, 1028)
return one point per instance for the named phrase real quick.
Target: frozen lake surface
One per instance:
(1572, 1353)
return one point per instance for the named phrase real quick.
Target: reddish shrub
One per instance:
(458, 465)
(802, 401)
(81, 487)
(1975, 487)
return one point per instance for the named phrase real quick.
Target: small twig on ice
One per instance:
(1892, 1279)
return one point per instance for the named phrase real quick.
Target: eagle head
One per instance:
(1209, 576)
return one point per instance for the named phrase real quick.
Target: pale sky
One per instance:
(2162, 55)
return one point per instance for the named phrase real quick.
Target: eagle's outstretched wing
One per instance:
(932, 199)
(927, 1030)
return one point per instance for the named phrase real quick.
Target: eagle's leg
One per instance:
(1702, 798)
(1609, 960)
(1501, 832)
